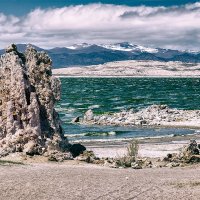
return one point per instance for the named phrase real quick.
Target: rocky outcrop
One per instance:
(28, 93)
(188, 154)
(155, 115)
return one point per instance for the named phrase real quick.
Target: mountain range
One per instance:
(91, 54)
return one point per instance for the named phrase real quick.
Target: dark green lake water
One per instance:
(115, 94)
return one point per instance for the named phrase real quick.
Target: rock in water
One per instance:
(89, 115)
(28, 92)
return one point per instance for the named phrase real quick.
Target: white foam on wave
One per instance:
(112, 133)
(93, 106)
(75, 135)
(65, 104)
(92, 134)
(78, 104)
(60, 109)
(70, 110)
(126, 139)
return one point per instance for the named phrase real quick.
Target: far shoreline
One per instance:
(80, 76)
(132, 68)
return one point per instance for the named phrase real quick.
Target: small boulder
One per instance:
(58, 156)
(30, 148)
(76, 120)
(193, 147)
(170, 157)
(87, 156)
(172, 164)
(136, 165)
(77, 149)
(194, 159)
(148, 164)
(89, 115)
(189, 150)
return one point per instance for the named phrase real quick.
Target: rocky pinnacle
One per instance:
(28, 93)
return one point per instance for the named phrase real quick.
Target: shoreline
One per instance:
(152, 147)
(147, 76)
(132, 68)
(142, 139)
(154, 116)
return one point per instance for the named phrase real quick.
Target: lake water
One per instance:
(104, 95)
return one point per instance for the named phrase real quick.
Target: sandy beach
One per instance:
(41, 181)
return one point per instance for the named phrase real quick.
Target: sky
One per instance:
(171, 24)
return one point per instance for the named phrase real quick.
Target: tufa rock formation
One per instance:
(28, 92)
(154, 115)
(188, 154)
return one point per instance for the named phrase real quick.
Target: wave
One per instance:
(113, 133)
(129, 139)
(63, 109)
(94, 106)
(101, 134)
(91, 134)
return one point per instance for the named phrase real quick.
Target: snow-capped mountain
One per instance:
(92, 54)
(125, 46)
(192, 51)
(78, 46)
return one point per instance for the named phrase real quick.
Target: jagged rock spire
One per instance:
(28, 92)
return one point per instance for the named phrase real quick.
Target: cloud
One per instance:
(176, 27)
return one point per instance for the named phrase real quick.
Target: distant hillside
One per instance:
(86, 54)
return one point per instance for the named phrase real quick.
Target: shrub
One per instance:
(132, 152)
(133, 149)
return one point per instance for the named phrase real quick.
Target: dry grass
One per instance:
(132, 153)
(9, 162)
(187, 184)
(133, 149)
(194, 184)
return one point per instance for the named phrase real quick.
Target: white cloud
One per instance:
(169, 27)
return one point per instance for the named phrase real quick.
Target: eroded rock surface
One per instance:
(28, 92)
(188, 154)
